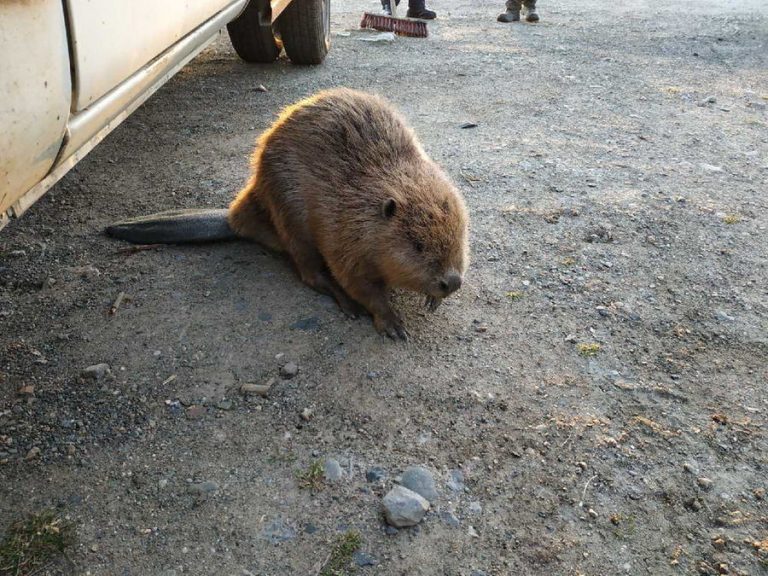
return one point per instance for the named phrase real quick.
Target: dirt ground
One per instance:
(600, 379)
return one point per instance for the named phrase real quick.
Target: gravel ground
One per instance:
(593, 401)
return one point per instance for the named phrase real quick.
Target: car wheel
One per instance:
(252, 36)
(305, 29)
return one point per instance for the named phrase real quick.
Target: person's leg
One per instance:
(418, 9)
(513, 11)
(386, 6)
(530, 11)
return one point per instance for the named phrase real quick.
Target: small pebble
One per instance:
(310, 528)
(450, 519)
(289, 370)
(96, 372)
(375, 474)
(420, 480)
(456, 480)
(224, 404)
(201, 488)
(364, 559)
(307, 414)
(195, 412)
(704, 483)
(592, 513)
(332, 470)
(475, 508)
(33, 453)
(278, 531)
(403, 507)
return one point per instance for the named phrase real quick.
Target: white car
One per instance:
(72, 70)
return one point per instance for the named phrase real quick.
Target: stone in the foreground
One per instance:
(403, 507)
(420, 480)
(96, 372)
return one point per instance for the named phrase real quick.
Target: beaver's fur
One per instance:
(341, 183)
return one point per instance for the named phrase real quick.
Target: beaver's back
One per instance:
(338, 145)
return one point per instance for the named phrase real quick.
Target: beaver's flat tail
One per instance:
(175, 227)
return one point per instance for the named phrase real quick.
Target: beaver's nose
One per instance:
(450, 283)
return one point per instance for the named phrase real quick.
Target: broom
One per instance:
(400, 26)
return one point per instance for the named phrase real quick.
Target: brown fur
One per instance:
(341, 184)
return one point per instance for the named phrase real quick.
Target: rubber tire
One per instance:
(252, 41)
(305, 29)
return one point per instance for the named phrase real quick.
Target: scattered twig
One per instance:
(139, 248)
(168, 380)
(584, 492)
(119, 300)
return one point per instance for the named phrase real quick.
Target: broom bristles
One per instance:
(400, 26)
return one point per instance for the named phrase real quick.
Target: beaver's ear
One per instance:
(388, 208)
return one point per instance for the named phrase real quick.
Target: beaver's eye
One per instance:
(419, 246)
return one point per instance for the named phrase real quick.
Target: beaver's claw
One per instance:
(432, 303)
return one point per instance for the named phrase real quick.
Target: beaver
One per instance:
(342, 185)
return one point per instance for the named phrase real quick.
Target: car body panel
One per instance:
(36, 94)
(143, 83)
(113, 40)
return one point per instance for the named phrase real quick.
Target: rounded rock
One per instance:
(375, 474)
(332, 470)
(289, 370)
(403, 507)
(96, 372)
(420, 480)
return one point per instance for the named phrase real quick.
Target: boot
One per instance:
(418, 9)
(513, 12)
(386, 7)
(530, 11)
(509, 16)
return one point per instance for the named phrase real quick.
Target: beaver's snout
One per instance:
(450, 283)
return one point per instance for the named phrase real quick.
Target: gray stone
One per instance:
(375, 474)
(704, 483)
(456, 480)
(202, 488)
(363, 559)
(420, 480)
(724, 316)
(475, 508)
(289, 370)
(332, 470)
(96, 372)
(450, 519)
(278, 531)
(403, 507)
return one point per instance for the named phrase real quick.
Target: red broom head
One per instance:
(400, 26)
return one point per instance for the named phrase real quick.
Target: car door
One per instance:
(36, 93)
(113, 40)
